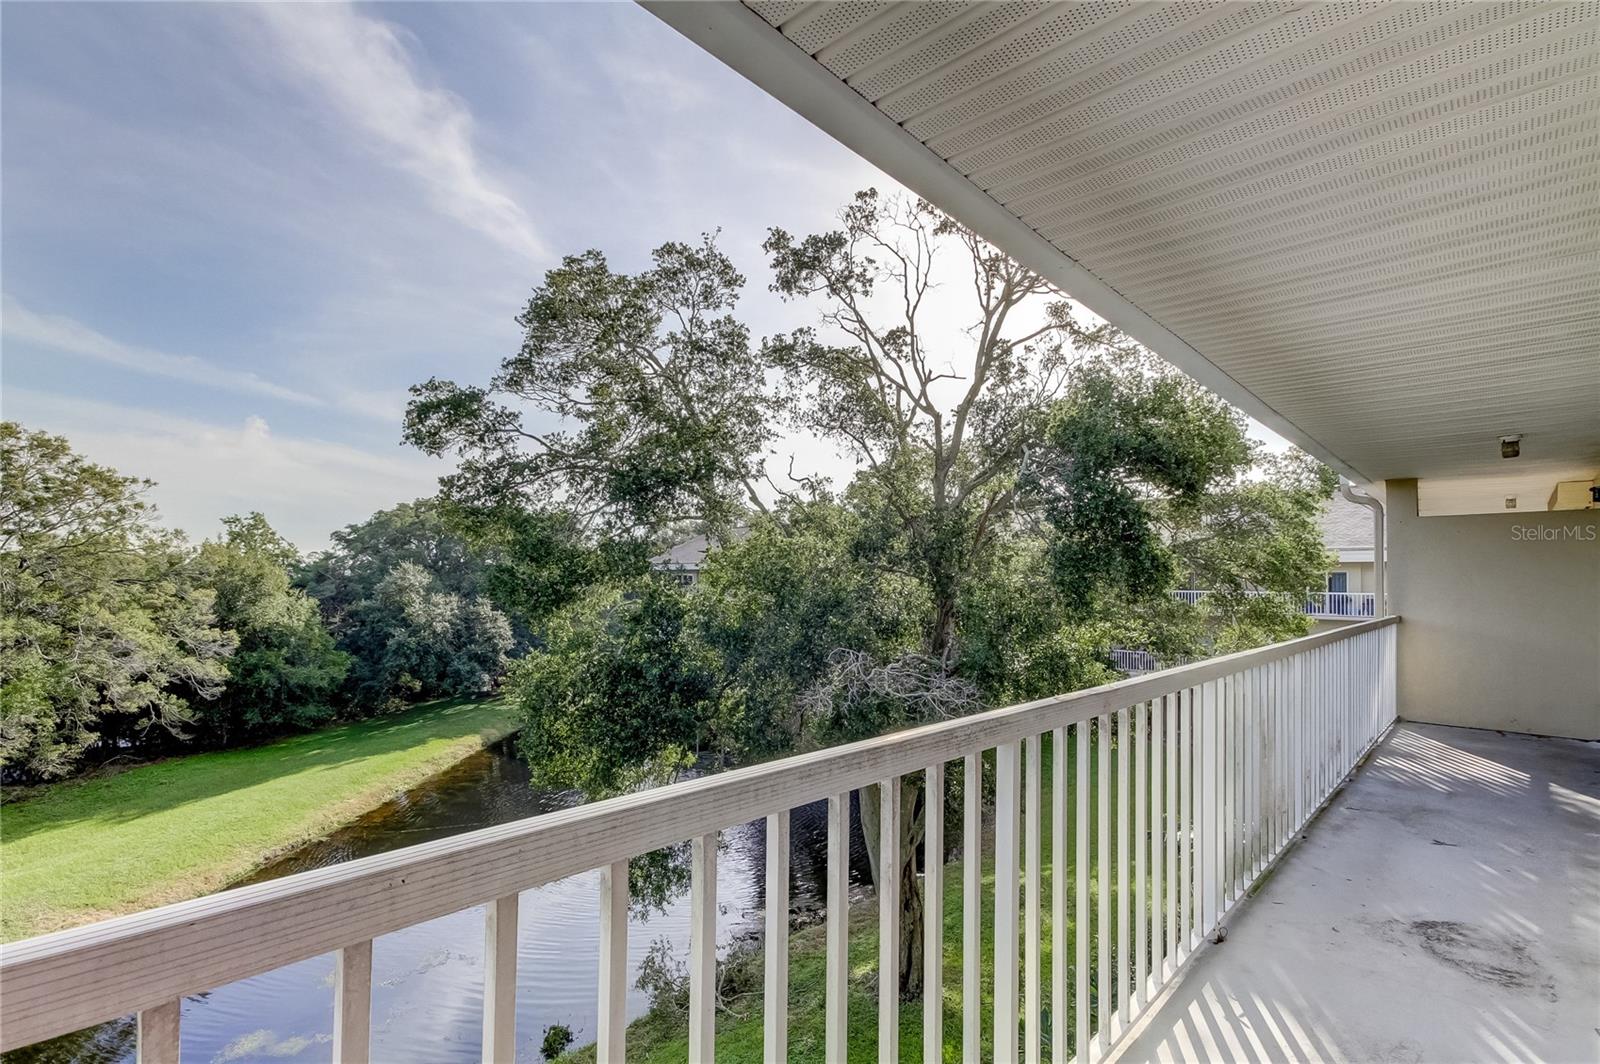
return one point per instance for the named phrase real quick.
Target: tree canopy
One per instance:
(1029, 486)
(405, 595)
(648, 396)
(285, 672)
(104, 636)
(120, 639)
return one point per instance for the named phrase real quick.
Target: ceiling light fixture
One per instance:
(1510, 446)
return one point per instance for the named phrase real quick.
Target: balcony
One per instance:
(1177, 790)
(1455, 860)
(1247, 857)
(1323, 605)
(1371, 228)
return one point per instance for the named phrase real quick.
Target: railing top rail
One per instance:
(67, 980)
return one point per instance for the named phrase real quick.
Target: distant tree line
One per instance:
(121, 639)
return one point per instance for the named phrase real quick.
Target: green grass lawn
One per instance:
(176, 829)
(658, 1039)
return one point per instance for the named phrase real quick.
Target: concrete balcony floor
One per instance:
(1444, 907)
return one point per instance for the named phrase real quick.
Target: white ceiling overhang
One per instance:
(1373, 227)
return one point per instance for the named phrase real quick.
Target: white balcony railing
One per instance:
(1328, 604)
(1134, 660)
(1206, 772)
(1340, 604)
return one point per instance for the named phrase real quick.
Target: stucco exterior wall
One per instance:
(1500, 617)
(1359, 576)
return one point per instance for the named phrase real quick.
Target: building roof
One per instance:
(685, 555)
(1372, 227)
(1346, 526)
(690, 553)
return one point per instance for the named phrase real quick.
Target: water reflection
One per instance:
(428, 980)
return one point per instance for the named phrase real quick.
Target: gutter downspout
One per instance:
(1352, 494)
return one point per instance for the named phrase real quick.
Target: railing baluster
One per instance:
(1184, 823)
(1240, 748)
(1258, 763)
(1325, 716)
(932, 920)
(160, 1033)
(1370, 672)
(1102, 860)
(1228, 800)
(1263, 767)
(612, 1023)
(1341, 687)
(1058, 897)
(1189, 854)
(889, 921)
(1337, 689)
(1274, 758)
(1165, 769)
(1033, 927)
(1173, 826)
(971, 907)
(1330, 720)
(836, 992)
(1080, 874)
(1209, 837)
(1252, 762)
(1314, 735)
(1286, 710)
(1352, 687)
(1124, 884)
(1236, 785)
(1302, 731)
(775, 995)
(1007, 846)
(500, 980)
(352, 1003)
(703, 949)
(1141, 843)
(1252, 769)
(1352, 701)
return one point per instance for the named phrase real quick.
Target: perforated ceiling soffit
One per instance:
(1375, 227)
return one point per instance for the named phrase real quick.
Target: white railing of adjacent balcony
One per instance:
(1332, 604)
(1134, 660)
(1201, 776)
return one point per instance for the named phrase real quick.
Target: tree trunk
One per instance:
(912, 832)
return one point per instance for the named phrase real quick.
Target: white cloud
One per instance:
(69, 336)
(205, 470)
(361, 66)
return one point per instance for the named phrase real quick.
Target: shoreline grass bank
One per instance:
(84, 850)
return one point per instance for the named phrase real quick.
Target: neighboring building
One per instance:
(683, 560)
(1348, 591)
(1347, 533)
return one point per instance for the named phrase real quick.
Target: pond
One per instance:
(427, 992)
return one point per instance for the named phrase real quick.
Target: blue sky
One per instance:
(235, 233)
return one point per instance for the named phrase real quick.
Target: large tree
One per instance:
(939, 419)
(637, 403)
(1147, 482)
(406, 593)
(105, 638)
(286, 670)
(648, 400)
